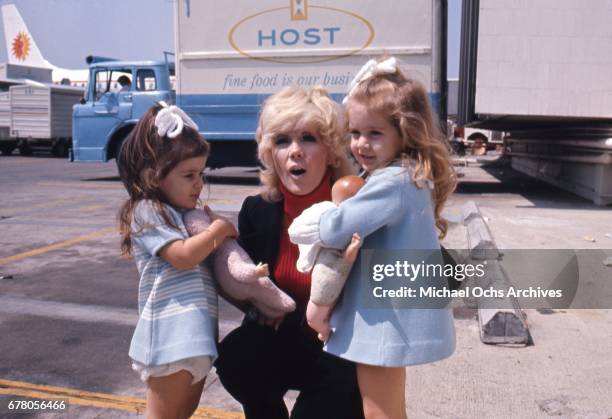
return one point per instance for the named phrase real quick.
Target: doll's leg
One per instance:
(383, 391)
(173, 396)
(328, 277)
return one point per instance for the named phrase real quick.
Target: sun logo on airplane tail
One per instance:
(21, 46)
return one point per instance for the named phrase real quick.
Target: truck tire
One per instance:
(25, 150)
(60, 149)
(117, 151)
(7, 150)
(117, 143)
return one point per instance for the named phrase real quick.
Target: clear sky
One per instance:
(66, 31)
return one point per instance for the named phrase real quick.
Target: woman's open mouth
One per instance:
(297, 171)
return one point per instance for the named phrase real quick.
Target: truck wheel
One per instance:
(117, 151)
(25, 150)
(60, 149)
(7, 150)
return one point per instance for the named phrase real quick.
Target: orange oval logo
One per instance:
(262, 36)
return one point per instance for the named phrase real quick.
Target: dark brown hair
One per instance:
(404, 101)
(144, 161)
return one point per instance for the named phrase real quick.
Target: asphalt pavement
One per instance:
(68, 301)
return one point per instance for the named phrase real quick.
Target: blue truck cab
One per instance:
(111, 106)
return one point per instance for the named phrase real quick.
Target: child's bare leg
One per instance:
(382, 391)
(352, 250)
(172, 396)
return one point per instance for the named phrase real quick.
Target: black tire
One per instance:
(60, 149)
(7, 150)
(25, 150)
(117, 152)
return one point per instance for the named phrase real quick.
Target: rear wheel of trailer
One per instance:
(24, 148)
(7, 150)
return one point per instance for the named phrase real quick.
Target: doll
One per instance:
(330, 267)
(238, 276)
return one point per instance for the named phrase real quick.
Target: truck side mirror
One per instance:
(83, 101)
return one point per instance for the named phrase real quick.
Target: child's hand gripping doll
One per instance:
(332, 267)
(238, 276)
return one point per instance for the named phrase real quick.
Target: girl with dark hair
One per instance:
(173, 347)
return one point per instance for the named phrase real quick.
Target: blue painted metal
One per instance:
(233, 117)
(221, 117)
(95, 123)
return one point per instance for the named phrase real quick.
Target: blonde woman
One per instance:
(301, 145)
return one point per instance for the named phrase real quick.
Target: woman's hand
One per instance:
(223, 223)
(273, 323)
(318, 317)
(273, 319)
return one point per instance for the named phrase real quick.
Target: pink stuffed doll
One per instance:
(238, 276)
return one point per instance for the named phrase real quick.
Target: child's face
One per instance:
(374, 141)
(300, 159)
(182, 186)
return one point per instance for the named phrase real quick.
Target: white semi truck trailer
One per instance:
(540, 70)
(232, 54)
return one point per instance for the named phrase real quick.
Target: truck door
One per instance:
(108, 105)
(145, 92)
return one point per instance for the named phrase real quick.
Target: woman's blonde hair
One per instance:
(291, 107)
(406, 104)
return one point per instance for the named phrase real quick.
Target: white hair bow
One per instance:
(370, 69)
(171, 119)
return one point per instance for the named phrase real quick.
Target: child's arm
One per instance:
(186, 254)
(377, 204)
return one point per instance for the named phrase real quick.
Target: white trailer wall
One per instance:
(30, 113)
(5, 115)
(544, 58)
(251, 47)
(42, 112)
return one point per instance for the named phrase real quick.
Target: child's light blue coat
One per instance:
(389, 212)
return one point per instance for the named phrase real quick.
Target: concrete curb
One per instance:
(501, 320)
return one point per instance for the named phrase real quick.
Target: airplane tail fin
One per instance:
(20, 45)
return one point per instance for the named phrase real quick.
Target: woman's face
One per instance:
(300, 159)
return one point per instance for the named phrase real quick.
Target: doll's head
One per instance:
(346, 187)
